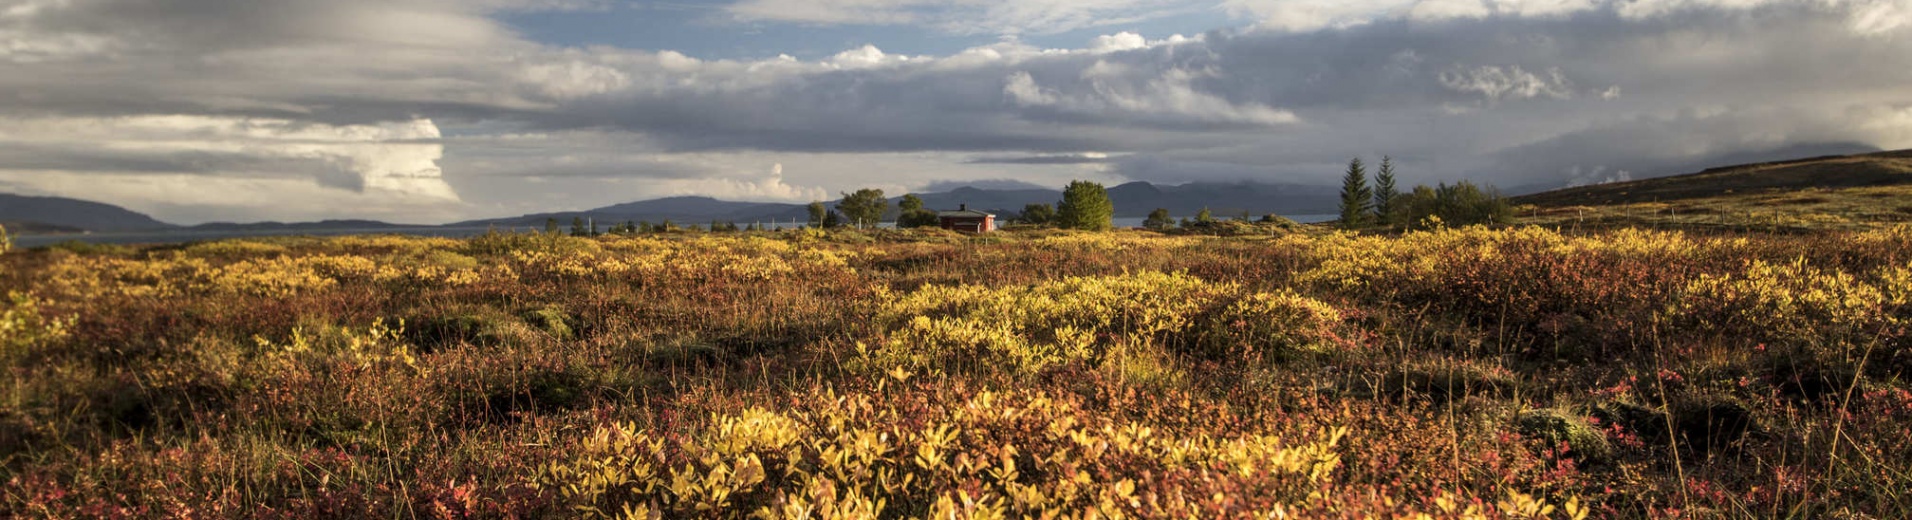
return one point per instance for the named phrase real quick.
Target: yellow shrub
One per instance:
(1276, 321)
(1032, 328)
(857, 456)
(23, 326)
(1789, 301)
(233, 248)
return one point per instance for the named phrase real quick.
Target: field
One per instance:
(1455, 373)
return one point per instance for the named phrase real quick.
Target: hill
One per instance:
(323, 225)
(69, 215)
(686, 210)
(38, 228)
(1829, 192)
(1828, 172)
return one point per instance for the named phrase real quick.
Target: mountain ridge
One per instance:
(69, 215)
(1885, 168)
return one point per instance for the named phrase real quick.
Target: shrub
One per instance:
(1274, 323)
(1784, 302)
(550, 319)
(853, 456)
(1458, 204)
(917, 218)
(1028, 329)
(1560, 428)
(24, 326)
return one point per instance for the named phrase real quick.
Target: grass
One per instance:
(1457, 373)
(1856, 192)
(1787, 211)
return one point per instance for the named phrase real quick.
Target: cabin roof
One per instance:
(969, 213)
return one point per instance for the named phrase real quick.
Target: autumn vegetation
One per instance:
(1282, 371)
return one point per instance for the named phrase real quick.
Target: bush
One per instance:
(552, 320)
(916, 218)
(1274, 323)
(1459, 204)
(1583, 440)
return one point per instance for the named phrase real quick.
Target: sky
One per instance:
(432, 111)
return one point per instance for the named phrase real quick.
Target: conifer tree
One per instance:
(1356, 196)
(1384, 190)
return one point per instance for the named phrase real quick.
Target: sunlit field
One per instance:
(1453, 373)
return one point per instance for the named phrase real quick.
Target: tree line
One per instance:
(1085, 205)
(1461, 203)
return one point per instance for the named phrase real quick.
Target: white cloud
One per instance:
(572, 79)
(1123, 41)
(1495, 83)
(1112, 89)
(767, 188)
(387, 163)
(865, 57)
(1005, 17)
(1867, 16)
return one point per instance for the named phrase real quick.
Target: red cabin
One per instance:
(966, 221)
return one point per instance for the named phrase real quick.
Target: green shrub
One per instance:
(550, 319)
(1459, 204)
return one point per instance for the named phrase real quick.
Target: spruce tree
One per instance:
(1356, 196)
(1384, 191)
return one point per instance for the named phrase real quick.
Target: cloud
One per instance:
(401, 104)
(398, 158)
(1006, 17)
(1108, 90)
(1865, 16)
(1123, 41)
(1059, 158)
(983, 184)
(767, 188)
(1502, 83)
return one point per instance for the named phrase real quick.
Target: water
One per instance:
(179, 236)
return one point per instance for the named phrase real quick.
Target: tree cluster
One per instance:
(914, 215)
(864, 208)
(1462, 203)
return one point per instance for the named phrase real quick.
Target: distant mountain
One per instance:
(328, 225)
(683, 210)
(1001, 202)
(73, 214)
(39, 228)
(1838, 171)
(1135, 199)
